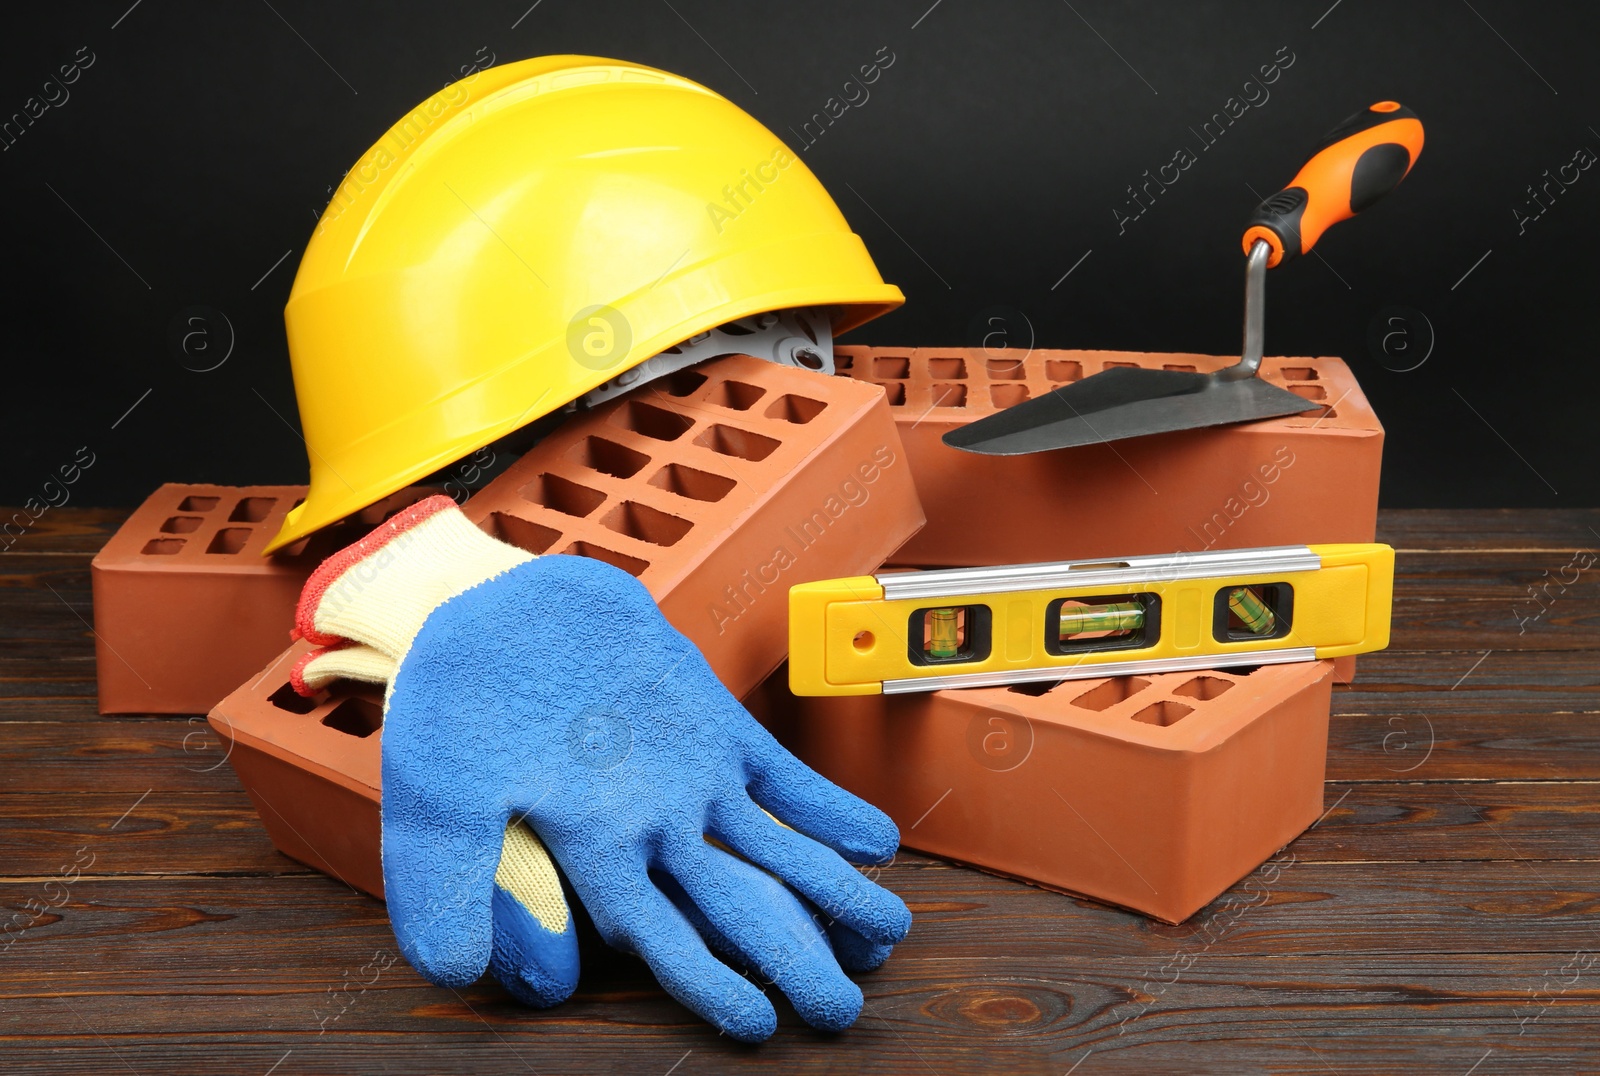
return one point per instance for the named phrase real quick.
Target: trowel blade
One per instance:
(1120, 403)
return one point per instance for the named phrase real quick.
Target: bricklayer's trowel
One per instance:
(1359, 161)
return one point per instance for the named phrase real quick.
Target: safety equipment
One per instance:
(535, 947)
(535, 952)
(551, 691)
(526, 235)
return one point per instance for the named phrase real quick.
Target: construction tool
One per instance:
(1359, 161)
(980, 627)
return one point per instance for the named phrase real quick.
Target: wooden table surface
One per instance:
(1443, 916)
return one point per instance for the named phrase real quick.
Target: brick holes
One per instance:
(891, 368)
(1299, 373)
(1005, 369)
(688, 482)
(522, 533)
(162, 547)
(198, 504)
(608, 457)
(1008, 395)
(731, 441)
(682, 382)
(1204, 688)
(796, 409)
(251, 509)
(181, 525)
(1309, 392)
(1063, 369)
(735, 395)
(562, 495)
(287, 698)
(1111, 692)
(896, 393)
(229, 540)
(947, 369)
(1180, 368)
(1164, 713)
(949, 395)
(651, 421)
(645, 523)
(355, 717)
(632, 565)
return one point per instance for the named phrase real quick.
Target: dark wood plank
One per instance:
(991, 966)
(67, 530)
(131, 755)
(1432, 916)
(155, 832)
(166, 832)
(1473, 680)
(1521, 529)
(1432, 744)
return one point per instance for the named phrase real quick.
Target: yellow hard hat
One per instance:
(527, 234)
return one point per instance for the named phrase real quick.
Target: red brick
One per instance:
(1175, 492)
(1154, 793)
(185, 605)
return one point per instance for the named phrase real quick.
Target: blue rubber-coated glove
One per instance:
(535, 953)
(552, 690)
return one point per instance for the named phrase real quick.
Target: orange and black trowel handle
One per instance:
(1360, 161)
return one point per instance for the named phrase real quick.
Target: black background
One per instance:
(201, 145)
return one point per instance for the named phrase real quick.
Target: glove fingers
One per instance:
(535, 944)
(639, 918)
(817, 807)
(438, 880)
(755, 916)
(856, 953)
(841, 892)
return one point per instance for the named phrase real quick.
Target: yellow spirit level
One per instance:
(979, 627)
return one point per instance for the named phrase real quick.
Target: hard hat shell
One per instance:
(527, 234)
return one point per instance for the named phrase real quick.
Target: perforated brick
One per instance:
(1302, 479)
(1155, 793)
(185, 605)
(719, 489)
